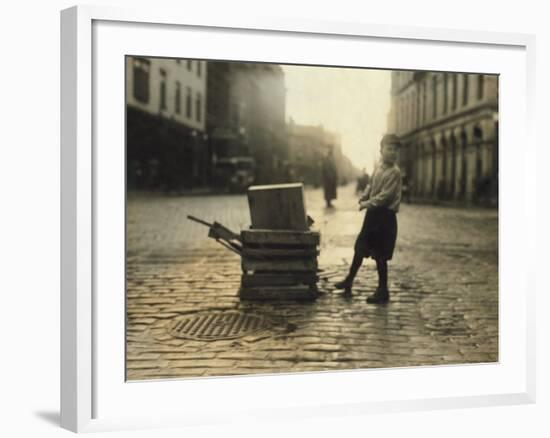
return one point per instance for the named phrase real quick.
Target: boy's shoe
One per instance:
(346, 285)
(381, 296)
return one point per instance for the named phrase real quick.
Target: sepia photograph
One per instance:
(285, 218)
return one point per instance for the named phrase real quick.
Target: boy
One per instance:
(377, 237)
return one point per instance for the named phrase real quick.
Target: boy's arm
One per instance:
(366, 194)
(389, 191)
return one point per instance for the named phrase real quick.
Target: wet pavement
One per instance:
(443, 283)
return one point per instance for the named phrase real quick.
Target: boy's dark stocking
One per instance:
(381, 295)
(354, 268)
(382, 268)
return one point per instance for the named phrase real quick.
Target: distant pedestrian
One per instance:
(362, 181)
(330, 177)
(379, 231)
(405, 188)
(289, 173)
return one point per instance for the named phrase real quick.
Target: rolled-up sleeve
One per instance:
(390, 190)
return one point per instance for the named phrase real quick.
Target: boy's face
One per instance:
(389, 152)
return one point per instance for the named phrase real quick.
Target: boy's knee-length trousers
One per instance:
(378, 234)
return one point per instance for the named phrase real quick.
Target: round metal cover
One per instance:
(214, 326)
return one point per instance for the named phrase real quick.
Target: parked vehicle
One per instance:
(234, 174)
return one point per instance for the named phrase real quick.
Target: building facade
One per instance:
(448, 123)
(307, 147)
(246, 115)
(166, 140)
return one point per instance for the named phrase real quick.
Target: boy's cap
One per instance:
(391, 139)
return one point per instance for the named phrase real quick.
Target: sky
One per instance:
(351, 102)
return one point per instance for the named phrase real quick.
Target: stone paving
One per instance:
(443, 282)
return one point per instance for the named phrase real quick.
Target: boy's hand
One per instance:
(365, 195)
(363, 205)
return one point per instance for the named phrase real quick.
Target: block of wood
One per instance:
(279, 265)
(266, 253)
(280, 237)
(278, 207)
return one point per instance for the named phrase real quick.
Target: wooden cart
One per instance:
(278, 252)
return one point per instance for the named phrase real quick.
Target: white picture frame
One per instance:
(91, 397)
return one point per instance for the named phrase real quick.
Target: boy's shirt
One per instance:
(385, 188)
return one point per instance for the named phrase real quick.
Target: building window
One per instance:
(455, 91)
(397, 115)
(417, 106)
(234, 114)
(189, 65)
(411, 111)
(198, 107)
(162, 90)
(465, 89)
(480, 86)
(402, 114)
(424, 101)
(199, 69)
(408, 112)
(434, 93)
(445, 92)
(188, 104)
(141, 69)
(178, 98)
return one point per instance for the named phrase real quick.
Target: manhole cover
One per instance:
(217, 325)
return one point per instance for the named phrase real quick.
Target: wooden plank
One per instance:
(270, 253)
(281, 293)
(279, 279)
(278, 207)
(282, 237)
(290, 265)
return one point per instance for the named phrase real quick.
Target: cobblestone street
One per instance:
(443, 283)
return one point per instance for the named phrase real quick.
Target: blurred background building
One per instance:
(246, 117)
(219, 125)
(448, 123)
(308, 146)
(166, 141)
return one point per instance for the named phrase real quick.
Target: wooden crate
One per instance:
(278, 207)
(279, 253)
(280, 238)
(279, 265)
(261, 252)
